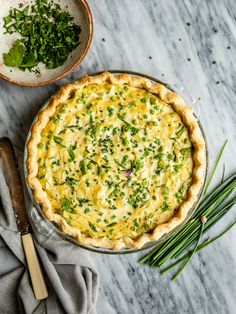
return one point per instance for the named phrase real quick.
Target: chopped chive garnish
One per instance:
(71, 153)
(112, 224)
(92, 227)
(186, 151)
(83, 167)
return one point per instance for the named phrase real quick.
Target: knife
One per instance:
(11, 174)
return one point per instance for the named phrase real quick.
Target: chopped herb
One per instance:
(65, 205)
(92, 227)
(125, 159)
(152, 101)
(180, 195)
(180, 131)
(99, 171)
(110, 111)
(186, 151)
(120, 164)
(48, 35)
(71, 181)
(71, 152)
(83, 167)
(165, 207)
(83, 101)
(129, 127)
(125, 141)
(113, 194)
(15, 55)
(83, 201)
(177, 168)
(159, 169)
(112, 224)
(136, 164)
(58, 140)
(114, 131)
(57, 118)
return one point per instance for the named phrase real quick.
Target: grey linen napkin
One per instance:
(71, 277)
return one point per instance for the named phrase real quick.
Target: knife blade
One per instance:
(10, 170)
(12, 177)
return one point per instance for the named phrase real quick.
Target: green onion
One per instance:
(71, 153)
(65, 205)
(200, 247)
(112, 224)
(186, 151)
(212, 207)
(92, 227)
(192, 253)
(99, 171)
(83, 166)
(215, 167)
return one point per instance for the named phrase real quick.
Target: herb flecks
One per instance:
(66, 205)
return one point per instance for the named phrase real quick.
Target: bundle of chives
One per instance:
(211, 209)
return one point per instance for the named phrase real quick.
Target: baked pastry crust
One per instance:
(169, 97)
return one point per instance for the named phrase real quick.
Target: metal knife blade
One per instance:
(12, 176)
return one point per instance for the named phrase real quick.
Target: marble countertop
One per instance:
(191, 45)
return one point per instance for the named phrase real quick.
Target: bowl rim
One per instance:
(101, 250)
(73, 67)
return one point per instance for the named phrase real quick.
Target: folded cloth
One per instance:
(71, 278)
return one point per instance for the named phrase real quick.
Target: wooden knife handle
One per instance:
(38, 283)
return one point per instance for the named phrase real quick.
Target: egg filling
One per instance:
(115, 161)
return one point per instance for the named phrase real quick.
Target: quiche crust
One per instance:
(169, 97)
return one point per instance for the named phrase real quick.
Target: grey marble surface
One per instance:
(192, 45)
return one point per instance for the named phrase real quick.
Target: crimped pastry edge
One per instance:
(195, 135)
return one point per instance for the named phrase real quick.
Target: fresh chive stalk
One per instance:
(199, 248)
(193, 251)
(215, 167)
(212, 207)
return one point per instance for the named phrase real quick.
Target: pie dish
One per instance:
(116, 160)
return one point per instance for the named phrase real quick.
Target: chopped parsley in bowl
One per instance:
(44, 35)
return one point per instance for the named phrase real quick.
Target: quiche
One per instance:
(116, 161)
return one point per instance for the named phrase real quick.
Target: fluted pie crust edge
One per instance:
(169, 97)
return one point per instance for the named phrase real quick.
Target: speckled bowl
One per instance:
(81, 12)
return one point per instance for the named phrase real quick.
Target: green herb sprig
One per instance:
(210, 210)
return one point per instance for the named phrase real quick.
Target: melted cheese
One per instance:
(115, 161)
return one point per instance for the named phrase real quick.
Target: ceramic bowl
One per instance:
(81, 12)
